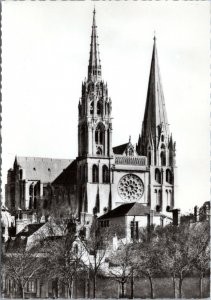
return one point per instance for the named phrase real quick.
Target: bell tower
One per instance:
(156, 143)
(94, 135)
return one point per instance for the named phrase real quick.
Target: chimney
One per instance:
(176, 216)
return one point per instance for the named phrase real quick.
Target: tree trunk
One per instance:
(88, 285)
(174, 286)
(180, 287)
(123, 289)
(132, 286)
(69, 290)
(94, 285)
(151, 288)
(201, 287)
(76, 286)
(23, 292)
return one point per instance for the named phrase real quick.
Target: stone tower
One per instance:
(156, 143)
(94, 138)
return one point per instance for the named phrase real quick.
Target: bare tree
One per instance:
(201, 251)
(65, 260)
(121, 265)
(64, 252)
(148, 256)
(182, 249)
(97, 246)
(21, 264)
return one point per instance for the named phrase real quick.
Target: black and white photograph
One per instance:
(105, 162)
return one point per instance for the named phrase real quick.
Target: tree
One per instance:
(97, 247)
(64, 257)
(22, 264)
(176, 246)
(148, 257)
(121, 265)
(201, 251)
(182, 247)
(65, 260)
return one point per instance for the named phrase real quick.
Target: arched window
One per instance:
(159, 201)
(99, 151)
(99, 134)
(95, 177)
(99, 107)
(158, 175)
(169, 177)
(163, 158)
(162, 138)
(131, 152)
(105, 174)
(106, 108)
(91, 108)
(167, 201)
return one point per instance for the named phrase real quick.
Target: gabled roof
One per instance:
(124, 148)
(127, 209)
(29, 229)
(120, 149)
(40, 168)
(68, 175)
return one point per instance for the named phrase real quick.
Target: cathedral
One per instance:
(101, 178)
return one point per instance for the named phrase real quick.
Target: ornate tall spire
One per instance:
(94, 68)
(155, 116)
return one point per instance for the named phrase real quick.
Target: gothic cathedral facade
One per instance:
(102, 177)
(108, 177)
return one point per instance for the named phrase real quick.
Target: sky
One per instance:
(45, 52)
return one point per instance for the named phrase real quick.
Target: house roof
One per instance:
(40, 168)
(68, 175)
(128, 209)
(29, 229)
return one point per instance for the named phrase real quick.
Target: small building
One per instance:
(127, 220)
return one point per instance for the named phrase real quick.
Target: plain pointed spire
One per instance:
(155, 116)
(94, 68)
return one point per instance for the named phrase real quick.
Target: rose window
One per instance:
(130, 187)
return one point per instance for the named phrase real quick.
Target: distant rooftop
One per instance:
(40, 168)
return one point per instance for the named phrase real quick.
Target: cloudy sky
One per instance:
(45, 57)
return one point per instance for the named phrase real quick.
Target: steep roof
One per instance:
(124, 148)
(155, 116)
(94, 68)
(40, 168)
(68, 175)
(29, 229)
(120, 149)
(127, 209)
